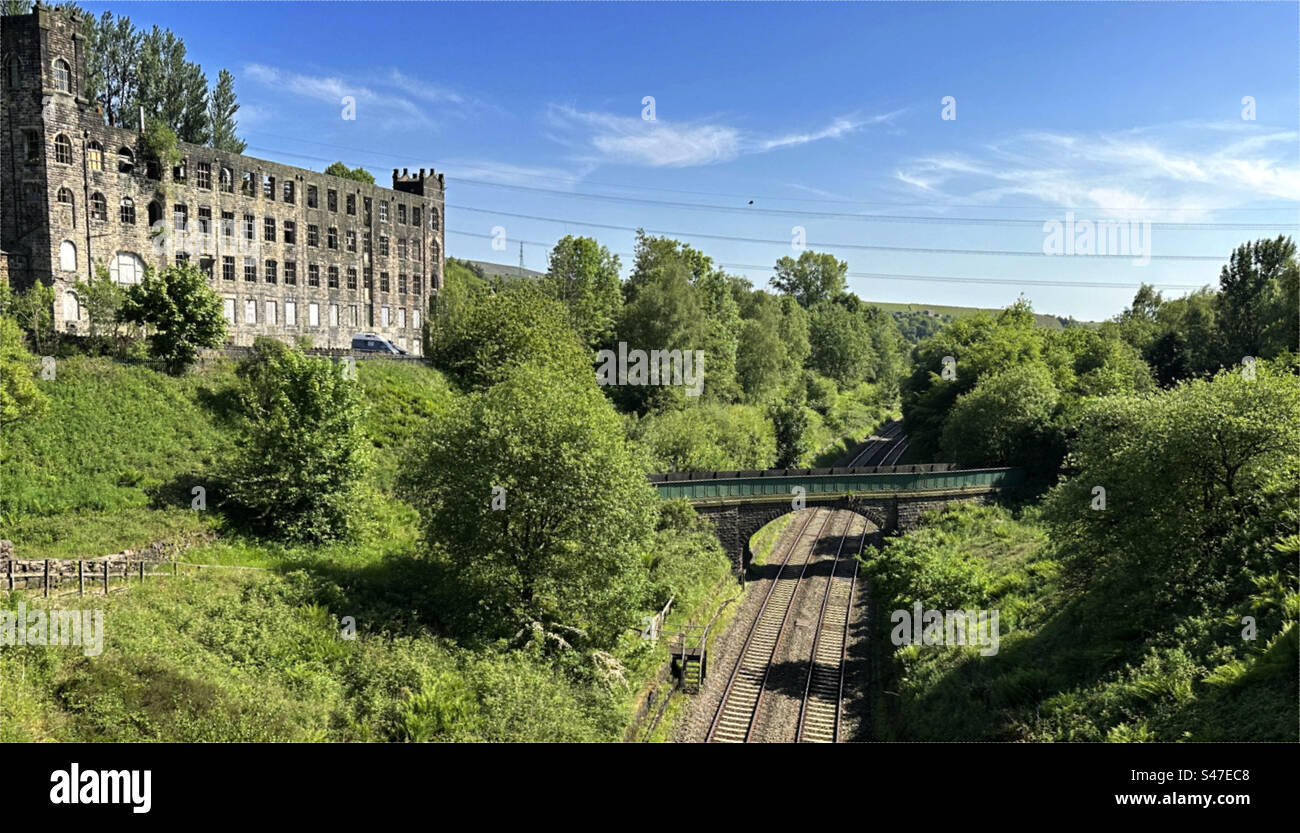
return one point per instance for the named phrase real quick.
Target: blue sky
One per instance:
(824, 114)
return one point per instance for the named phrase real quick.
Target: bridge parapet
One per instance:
(779, 484)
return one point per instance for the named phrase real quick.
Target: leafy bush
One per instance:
(182, 310)
(300, 460)
(19, 395)
(539, 505)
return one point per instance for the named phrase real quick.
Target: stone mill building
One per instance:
(291, 251)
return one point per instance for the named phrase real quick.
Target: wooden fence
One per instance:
(54, 578)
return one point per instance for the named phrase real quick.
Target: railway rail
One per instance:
(879, 447)
(892, 454)
(819, 714)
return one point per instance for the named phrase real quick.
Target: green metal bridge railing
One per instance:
(778, 484)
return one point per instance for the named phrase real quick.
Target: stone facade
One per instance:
(291, 251)
(736, 522)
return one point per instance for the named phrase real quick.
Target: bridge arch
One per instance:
(874, 528)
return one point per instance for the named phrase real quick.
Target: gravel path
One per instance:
(783, 695)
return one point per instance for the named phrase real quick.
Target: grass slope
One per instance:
(258, 654)
(1069, 667)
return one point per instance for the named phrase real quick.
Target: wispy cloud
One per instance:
(630, 140)
(390, 96)
(505, 173)
(1123, 172)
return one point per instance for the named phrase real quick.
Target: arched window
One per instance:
(68, 256)
(14, 72)
(71, 308)
(62, 76)
(433, 218)
(126, 211)
(34, 149)
(127, 267)
(227, 180)
(155, 213)
(98, 207)
(63, 149)
(95, 156)
(67, 208)
(125, 160)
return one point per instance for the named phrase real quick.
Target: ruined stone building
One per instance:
(291, 251)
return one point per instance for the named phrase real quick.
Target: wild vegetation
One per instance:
(484, 529)
(1151, 594)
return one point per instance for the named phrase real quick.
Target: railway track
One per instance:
(819, 715)
(893, 454)
(879, 447)
(736, 714)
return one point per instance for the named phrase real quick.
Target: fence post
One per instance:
(47, 578)
(11, 575)
(81, 577)
(105, 576)
(142, 571)
(176, 568)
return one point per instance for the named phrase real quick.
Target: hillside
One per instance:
(250, 648)
(491, 270)
(1051, 322)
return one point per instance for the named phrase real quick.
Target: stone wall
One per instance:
(19, 574)
(736, 523)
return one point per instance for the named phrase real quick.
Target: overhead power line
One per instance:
(831, 245)
(1285, 206)
(898, 218)
(898, 277)
(749, 209)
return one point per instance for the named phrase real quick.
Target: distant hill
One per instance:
(493, 269)
(1051, 322)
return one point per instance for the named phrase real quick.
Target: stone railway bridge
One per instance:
(892, 497)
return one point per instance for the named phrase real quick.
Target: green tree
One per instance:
(357, 174)
(706, 437)
(101, 298)
(811, 279)
(301, 461)
(20, 397)
(533, 496)
(583, 275)
(171, 88)
(33, 309)
(790, 424)
(113, 60)
(160, 142)
(183, 312)
(462, 288)
(762, 356)
(978, 345)
(1199, 484)
(1249, 287)
(841, 345)
(222, 107)
(494, 333)
(665, 313)
(1006, 418)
